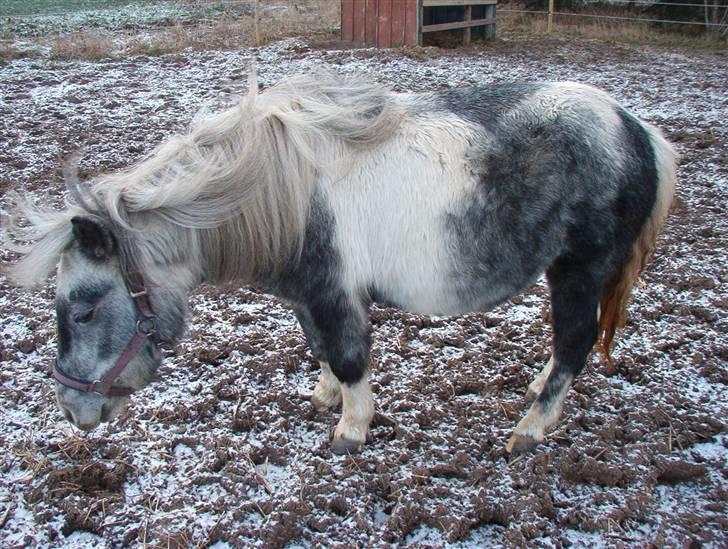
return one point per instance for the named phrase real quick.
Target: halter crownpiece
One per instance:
(146, 328)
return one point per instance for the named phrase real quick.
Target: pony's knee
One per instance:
(357, 414)
(351, 369)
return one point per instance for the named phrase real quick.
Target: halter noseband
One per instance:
(146, 322)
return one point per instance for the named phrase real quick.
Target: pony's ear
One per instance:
(95, 240)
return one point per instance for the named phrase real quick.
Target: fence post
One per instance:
(257, 22)
(468, 33)
(550, 26)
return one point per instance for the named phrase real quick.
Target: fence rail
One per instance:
(712, 21)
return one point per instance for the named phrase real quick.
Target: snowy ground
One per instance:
(226, 449)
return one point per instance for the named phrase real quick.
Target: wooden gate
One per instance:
(394, 23)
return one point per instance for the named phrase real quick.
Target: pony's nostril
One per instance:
(105, 411)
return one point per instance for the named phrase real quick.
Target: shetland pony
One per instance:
(335, 193)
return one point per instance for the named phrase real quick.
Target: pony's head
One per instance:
(108, 326)
(102, 354)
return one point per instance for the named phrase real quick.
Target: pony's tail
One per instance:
(613, 304)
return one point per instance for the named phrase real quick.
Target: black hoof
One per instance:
(342, 446)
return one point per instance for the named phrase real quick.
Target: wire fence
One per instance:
(714, 15)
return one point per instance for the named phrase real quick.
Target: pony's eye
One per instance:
(83, 318)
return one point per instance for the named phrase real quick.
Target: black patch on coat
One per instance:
(531, 175)
(549, 198)
(485, 105)
(546, 190)
(638, 187)
(331, 319)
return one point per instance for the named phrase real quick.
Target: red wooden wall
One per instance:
(380, 23)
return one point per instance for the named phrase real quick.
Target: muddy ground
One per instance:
(226, 449)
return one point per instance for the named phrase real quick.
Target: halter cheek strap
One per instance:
(145, 329)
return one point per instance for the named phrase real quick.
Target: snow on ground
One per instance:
(225, 449)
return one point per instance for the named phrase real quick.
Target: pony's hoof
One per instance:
(521, 444)
(342, 446)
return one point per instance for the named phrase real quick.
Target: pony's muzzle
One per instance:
(85, 424)
(86, 412)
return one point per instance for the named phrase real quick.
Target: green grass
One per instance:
(22, 8)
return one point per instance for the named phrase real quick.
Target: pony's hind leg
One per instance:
(327, 393)
(575, 293)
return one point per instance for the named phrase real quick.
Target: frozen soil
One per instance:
(225, 448)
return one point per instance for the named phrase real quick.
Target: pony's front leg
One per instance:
(342, 326)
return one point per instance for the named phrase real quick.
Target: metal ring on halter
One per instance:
(105, 387)
(147, 325)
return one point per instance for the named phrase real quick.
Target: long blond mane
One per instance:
(231, 196)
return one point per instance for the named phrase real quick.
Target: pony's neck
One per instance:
(231, 252)
(226, 254)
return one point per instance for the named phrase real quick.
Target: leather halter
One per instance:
(146, 322)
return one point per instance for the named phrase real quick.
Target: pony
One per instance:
(333, 193)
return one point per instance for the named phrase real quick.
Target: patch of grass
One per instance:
(223, 34)
(86, 46)
(15, 8)
(10, 52)
(38, 18)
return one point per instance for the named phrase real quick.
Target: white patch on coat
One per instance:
(390, 205)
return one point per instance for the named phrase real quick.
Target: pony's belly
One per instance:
(433, 293)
